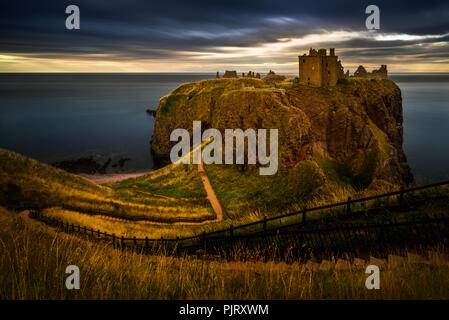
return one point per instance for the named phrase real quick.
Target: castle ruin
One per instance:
(233, 74)
(319, 69)
(316, 69)
(379, 74)
(230, 74)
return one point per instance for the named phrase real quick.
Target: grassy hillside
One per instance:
(173, 192)
(26, 183)
(242, 192)
(26, 273)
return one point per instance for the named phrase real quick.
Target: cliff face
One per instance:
(356, 125)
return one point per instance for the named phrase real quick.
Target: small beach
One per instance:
(111, 177)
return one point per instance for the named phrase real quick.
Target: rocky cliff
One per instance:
(355, 126)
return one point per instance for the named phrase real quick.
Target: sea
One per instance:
(56, 117)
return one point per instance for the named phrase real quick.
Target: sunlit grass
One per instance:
(172, 193)
(32, 266)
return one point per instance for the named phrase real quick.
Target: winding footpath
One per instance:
(211, 195)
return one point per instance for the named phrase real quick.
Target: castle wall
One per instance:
(230, 74)
(310, 70)
(381, 73)
(330, 71)
(319, 69)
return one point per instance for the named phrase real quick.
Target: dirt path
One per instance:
(211, 195)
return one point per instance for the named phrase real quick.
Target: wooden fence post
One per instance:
(135, 241)
(113, 240)
(304, 215)
(231, 231)
(146, 243)
(92, 232)
(203, 240)
(348, 206)
(98, 232)
(265, 224)
(122, 242)
(401, 197)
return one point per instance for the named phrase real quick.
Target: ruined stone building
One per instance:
(319, 69)
(251, 74)
(379, 74)
(230, 74)
(233, 74)
(272, 77)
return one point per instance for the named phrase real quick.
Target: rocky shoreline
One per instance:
(88, 165)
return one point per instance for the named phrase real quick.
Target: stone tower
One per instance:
(320, 69)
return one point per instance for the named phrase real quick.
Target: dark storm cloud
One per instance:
(162, 29)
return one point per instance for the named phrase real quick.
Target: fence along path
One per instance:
(432, 230)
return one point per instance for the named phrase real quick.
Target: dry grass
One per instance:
(26, 183)
(121, 228)
(32, 266)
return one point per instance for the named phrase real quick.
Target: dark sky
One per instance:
(155, 36)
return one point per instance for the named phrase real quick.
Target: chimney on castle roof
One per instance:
(332, 52)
